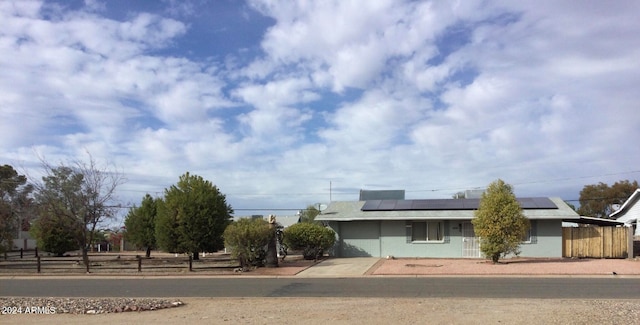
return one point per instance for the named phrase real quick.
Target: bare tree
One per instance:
(82, 193)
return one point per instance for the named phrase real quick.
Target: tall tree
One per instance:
(82, 194)
(140, 224)
(192, 217)
(598, 200)
(15, 204)
(499, 221)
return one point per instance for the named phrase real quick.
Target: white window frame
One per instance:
(527, 238)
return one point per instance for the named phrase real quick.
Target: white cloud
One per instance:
(429, 96)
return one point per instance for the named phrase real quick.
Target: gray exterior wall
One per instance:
(382, 238)
(546, 239)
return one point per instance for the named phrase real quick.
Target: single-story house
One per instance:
(285, 221)
(435, 227)
(629, 212)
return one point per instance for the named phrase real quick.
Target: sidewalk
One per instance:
(368, 266)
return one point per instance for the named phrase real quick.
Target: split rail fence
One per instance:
(28, 263)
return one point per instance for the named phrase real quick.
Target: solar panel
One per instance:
(403, 205)
(448, 204)
(470, 204)
(544, 203)
(526, 203)
(371, 205)
(420, 205)
(387, 205)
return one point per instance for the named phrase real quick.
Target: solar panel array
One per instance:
(448, 204)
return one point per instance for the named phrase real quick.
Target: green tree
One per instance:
(312, 238)
(15, 205)
(140, 224)
(80, 194)
(247, 239)
(192, 217)
(56, 234)
(309, 214)
(499, 222)
(597, 200)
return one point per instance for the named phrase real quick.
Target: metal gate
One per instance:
(470, 243)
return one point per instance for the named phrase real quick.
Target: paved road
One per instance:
(444, 287)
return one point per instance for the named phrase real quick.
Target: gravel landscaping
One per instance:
(28, 305)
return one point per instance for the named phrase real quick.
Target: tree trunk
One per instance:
(85, 258)
(495, 258)
(196, 256)
(148, 253)
(272, 252)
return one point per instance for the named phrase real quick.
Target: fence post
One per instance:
(630, 253)
(36, 251)
(190, 263)
(38, 263)
(21, 252)
(139, 263)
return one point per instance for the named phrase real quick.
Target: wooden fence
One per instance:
(109, 263)
(596, 242)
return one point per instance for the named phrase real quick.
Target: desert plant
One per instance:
(499, 222)
(313, 239)
(247, 239)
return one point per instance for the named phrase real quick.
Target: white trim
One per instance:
(627, 202)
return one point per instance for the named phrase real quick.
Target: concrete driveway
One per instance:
(340, 267)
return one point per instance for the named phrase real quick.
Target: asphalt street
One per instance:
(425, 287)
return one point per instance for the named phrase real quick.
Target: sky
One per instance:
(285, 104)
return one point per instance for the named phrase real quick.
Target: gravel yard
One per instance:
(359, 311)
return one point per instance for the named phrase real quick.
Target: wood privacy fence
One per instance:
(596, 242)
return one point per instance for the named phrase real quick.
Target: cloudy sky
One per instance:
(283, 104)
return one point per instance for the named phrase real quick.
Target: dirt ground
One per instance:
(363, 311)
(510, 266)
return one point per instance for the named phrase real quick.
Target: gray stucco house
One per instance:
(435, 228)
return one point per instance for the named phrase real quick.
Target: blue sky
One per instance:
(283, 104)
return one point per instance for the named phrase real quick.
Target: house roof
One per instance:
(630, 202)
(353, 210)
(285, 221)
(595, 221)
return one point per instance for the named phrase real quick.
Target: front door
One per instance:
(470, 243)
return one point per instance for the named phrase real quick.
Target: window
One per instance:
(530, 236)
(427, 231)
(527, 237)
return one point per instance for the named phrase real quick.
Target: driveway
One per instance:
(340, 267)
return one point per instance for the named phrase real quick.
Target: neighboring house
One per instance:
(285, 221)
(435, 228)
(24, 241)
(629, 212)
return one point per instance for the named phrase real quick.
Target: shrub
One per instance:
(55, 235)
(247, 239)
(313, 239)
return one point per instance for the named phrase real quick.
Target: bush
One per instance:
(247, 239)
(55, 234)
(313, 239)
